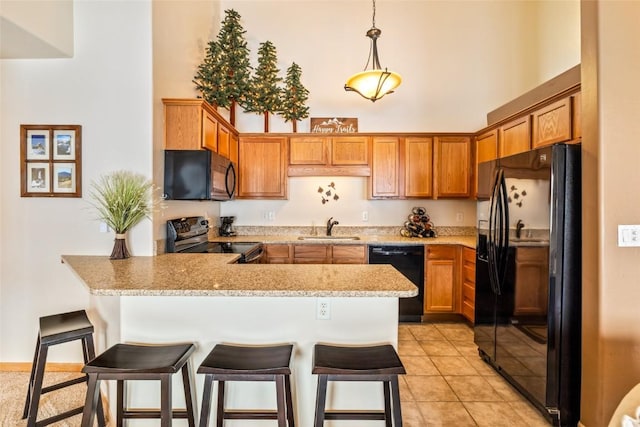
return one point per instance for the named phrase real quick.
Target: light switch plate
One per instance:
(628, 235)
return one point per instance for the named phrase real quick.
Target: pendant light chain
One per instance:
(373, 20)
(375, 83)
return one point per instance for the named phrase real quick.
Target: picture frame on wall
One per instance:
(38, 177)
(50, 160)
(37, 144)
(64, 144)
(64, 178)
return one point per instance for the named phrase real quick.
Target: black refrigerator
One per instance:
(528, 276)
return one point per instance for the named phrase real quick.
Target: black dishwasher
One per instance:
(408, 260)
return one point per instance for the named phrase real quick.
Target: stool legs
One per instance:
(284, 403)
(321, 399)
(166, 413)
(206, 401)
(287, 390)
(220, 412)
(36, 379)
(35, 384)
(189, 392)
(91, 401)
(392, 414)
(395, 398)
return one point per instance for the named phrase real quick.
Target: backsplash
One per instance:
(244, 230)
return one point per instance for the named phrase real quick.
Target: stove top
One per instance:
(222, 248)
(189, 235)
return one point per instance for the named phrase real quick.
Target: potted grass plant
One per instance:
(122, 199)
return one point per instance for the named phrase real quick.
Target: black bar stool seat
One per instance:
(369, 363)
(124, 362)
(245, 363)
(57, 329)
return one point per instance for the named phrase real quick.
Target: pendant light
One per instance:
(375, 83)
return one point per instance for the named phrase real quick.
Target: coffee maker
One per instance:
(226, 228)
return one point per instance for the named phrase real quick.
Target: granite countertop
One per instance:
(213, 275)
(468, 241)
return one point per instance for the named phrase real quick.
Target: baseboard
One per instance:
(49, 367)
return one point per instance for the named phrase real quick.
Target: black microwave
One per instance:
(198, 175)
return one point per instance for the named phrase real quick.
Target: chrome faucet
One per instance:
(519, 227)
(330, 225)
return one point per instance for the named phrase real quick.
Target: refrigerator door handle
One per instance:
(503, 231)
(492, 239)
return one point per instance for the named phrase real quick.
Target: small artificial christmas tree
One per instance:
(265, 96)
(294, 97)
(235, 62)
(211, 78)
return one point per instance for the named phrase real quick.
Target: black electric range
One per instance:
(189, 235)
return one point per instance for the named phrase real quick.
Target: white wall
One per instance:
(459, 59)
(305, 208)
(106, 88)
(181, 32)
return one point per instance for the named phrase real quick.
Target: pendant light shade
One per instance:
(375, 83)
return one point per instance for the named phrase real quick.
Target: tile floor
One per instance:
(447, 384)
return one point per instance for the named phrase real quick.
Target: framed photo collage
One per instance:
(50, 157)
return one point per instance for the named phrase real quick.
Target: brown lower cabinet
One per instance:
(315, 254)
(278, 254)
(450, 271)
(467, 305)
(442, 283)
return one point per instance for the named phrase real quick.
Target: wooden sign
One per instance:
(334, 124)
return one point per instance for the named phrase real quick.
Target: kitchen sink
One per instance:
(333, 238)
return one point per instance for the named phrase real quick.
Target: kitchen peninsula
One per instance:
(207, 300)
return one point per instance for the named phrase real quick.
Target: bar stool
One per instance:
(58, 329)
(124, 362)
(240, 363)
(373, 363)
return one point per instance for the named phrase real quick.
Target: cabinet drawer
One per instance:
(469, 255)
(278, 251)
(441, 252)
(469, 273)
(311, 251)
(348, 251)
(468, 292)
(468, 311)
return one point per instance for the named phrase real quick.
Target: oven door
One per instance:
(254, 256)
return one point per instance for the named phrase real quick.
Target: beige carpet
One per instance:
(13, 390)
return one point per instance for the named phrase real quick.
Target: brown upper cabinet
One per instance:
(487, 146)
(385, 168)
(577, 117)
(193, 124)
(311, 155)
(552, 124)
(418, 167)
(262, 167)
(486, 150)
(452, 166)
(515, 137)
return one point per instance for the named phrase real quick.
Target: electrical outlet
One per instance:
(271, 215)
(459, 217)
(323, 309)
(104, 228)
(365, 216)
